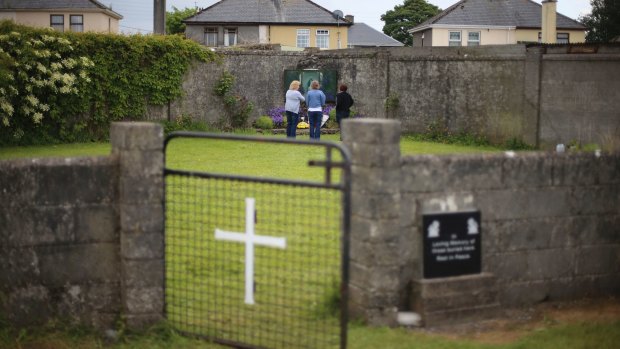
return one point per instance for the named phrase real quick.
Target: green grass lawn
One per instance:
(578, 335)
(187, 265)
(226, 151)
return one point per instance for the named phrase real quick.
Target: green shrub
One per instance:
(517, 144)
(68, 87)
(264, 123)
(238, 108)
(224, 84)
(185, 123)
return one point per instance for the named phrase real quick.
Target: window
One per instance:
(473, 39)
(77, 23)
(563, 38)
(57, 22)
(455, 39)
(560, 38)
(322, 38)
(230, 36)
(303, 37)
(211, 36)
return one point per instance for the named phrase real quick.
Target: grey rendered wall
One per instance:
(477, 95)
(81, 239)
(580, 98)
(501, 92)
(259, 76)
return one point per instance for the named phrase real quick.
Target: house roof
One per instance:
(508, 13)
(56, 4)
(265, 11)
(361, 34)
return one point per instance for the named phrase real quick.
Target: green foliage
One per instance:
(224, 84)
(392, 102)
(329, 306)
(264, 123)
(437, 131)
(332, 122)
(185, 123)
(238, 108)
(174, 24)
(68, 87)
(517, 144)
(604, 21)
(406, 16)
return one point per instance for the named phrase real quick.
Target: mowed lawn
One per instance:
(290, 162)
(224, 153)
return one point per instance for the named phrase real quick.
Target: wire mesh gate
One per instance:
(256, 262)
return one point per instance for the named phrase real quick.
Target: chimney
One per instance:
(549, 35)
(159, 17)
(349, 18)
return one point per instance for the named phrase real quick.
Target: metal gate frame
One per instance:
(344, 186)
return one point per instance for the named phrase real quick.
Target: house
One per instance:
(363, 35)
(62, 15)
(497, 22)
(294, 24)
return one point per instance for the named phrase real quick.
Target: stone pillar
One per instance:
(159, 17)
(376, 257)
(139, 148)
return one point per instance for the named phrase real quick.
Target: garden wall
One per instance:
(550, 226)
(81, 239)
(540, 95)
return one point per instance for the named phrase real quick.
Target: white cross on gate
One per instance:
(250, 240)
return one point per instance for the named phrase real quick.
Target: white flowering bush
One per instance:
(68, 87)
(37, 70)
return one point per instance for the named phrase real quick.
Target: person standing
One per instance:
(344, 101)
(316, 101)
(293, 101)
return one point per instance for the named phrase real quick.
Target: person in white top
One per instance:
(293, 101)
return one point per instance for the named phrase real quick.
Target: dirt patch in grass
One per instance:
(512, 324)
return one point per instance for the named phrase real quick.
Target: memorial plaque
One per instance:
(451, 244)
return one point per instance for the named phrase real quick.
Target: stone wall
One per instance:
(540, 95)
(579, 98)
(81, 239)
(59, 240)
(550, 227)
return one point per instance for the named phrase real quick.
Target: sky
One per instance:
(138, 14)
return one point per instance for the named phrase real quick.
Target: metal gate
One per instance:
(253, 261)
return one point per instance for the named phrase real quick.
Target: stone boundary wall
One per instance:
(59, 240)
(550, 227)
(542, 96)
(81, 239)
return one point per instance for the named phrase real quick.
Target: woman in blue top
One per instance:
(293, 100)
(315, 101)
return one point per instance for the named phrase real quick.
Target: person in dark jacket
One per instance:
(344, 101)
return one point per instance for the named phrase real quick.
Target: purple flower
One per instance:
(277, 115)
(328, 108)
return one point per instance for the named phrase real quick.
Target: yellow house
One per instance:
(293, 24)
(62, 15)
(497, 22)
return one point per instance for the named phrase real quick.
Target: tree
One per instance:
(604, 21)
(406, 16)
(174, 18)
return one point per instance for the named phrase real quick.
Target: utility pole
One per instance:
(159, 17)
